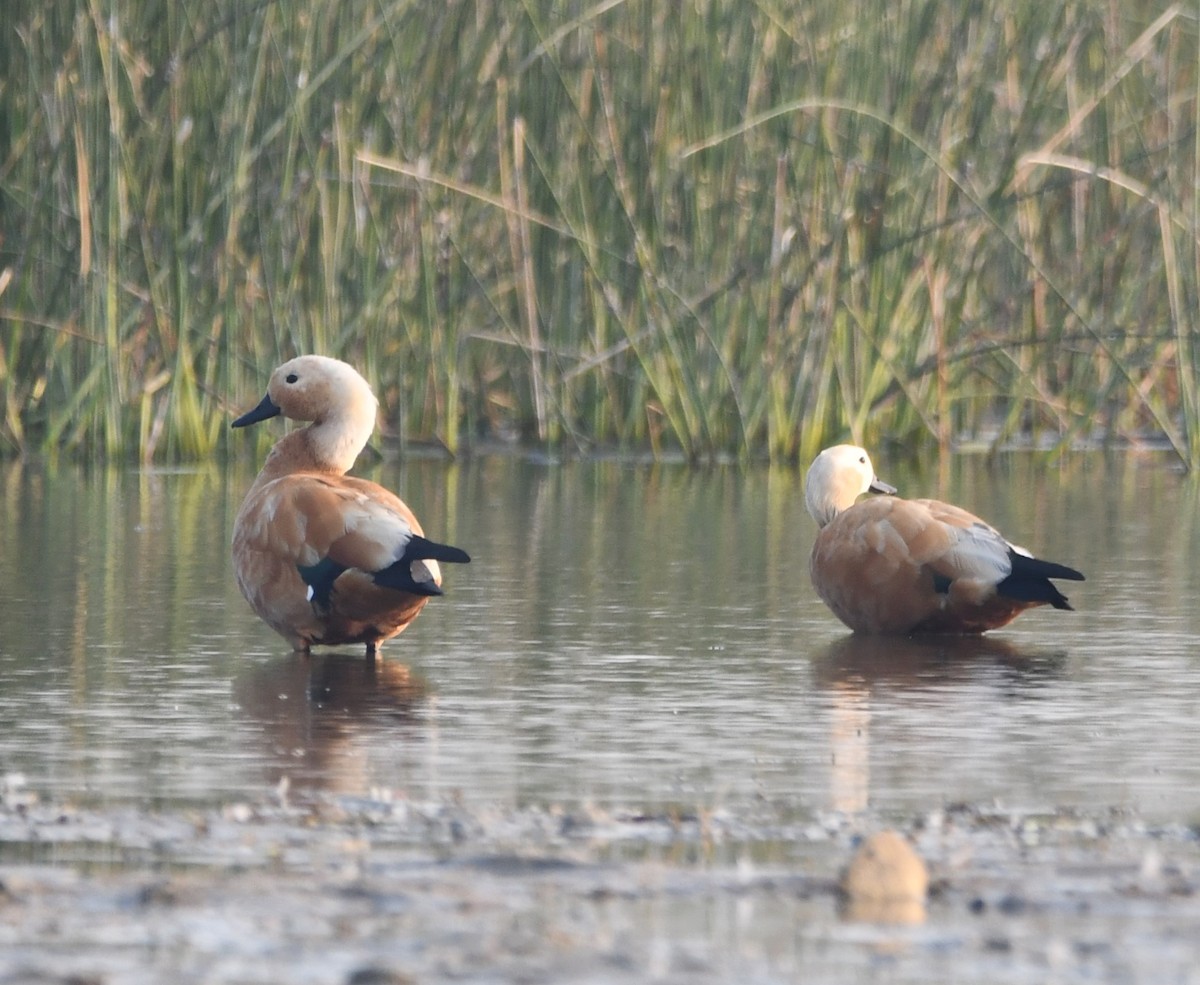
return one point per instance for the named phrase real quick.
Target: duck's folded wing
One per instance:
(309, 520)
(879, 537)
(970, 548)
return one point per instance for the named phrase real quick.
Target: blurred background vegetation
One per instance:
(701, 228)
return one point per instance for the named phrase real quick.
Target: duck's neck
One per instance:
(826, 500)
(331, 445)
(336, 441)
(824, 512)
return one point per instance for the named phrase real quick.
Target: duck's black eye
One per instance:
(861, 461)
(292, 377)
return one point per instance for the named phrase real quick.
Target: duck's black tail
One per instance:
(1029, 580)
(399, 575)
(320, 576)
(420, 549)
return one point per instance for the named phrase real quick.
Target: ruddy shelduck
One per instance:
(322, 557)
(899, 566)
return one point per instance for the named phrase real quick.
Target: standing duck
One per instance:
(325, 558)
(898, 566)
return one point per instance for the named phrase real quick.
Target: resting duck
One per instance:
(325, 558)
(891, 565)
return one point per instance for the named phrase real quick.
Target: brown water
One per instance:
(626, 635)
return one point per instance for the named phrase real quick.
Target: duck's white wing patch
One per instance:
(976, 552)
(972, 548)
(305, 519)
(375, 535)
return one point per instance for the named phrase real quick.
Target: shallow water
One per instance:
(626, 635)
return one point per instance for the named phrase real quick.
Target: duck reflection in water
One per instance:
(929, 661)
(331, 722)
(856, 669)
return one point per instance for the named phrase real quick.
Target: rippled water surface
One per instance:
(626, 635)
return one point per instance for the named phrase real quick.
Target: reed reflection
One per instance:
(334, 722)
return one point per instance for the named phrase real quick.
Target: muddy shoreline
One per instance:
(379, 890)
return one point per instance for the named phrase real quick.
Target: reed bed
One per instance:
(701, 228)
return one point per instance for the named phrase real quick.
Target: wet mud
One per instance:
(382, 890)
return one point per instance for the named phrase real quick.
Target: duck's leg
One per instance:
(373, 650)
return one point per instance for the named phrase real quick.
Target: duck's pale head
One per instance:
(328, 393)
(835, 480)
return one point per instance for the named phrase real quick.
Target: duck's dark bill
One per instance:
(266, 409)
